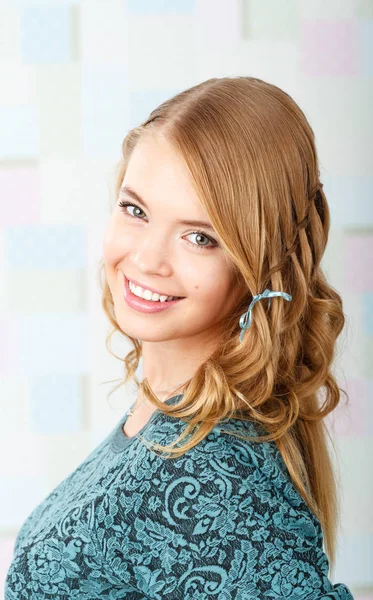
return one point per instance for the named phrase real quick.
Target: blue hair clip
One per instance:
(245, 319)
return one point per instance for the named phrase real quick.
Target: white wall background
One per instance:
(75, 76)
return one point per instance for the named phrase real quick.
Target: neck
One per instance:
(166, 365)
(167, 392)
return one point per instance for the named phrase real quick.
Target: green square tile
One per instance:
(270, 19)
(364, 8)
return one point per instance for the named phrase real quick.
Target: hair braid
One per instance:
(314, 196)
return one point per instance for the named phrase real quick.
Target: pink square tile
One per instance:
(329, 47)
(350, 417)
(358, 258)
(227, 23)
(19, 195)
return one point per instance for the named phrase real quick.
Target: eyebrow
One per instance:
(126, 189)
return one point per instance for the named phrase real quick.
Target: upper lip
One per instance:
(147, 287)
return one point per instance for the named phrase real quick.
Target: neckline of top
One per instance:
(120, 441)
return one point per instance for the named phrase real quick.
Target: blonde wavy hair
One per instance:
(251, 154)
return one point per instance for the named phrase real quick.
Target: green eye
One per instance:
(123, 205)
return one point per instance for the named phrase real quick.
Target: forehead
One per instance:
(156, 171)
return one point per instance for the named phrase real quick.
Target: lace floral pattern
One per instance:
(224, 522)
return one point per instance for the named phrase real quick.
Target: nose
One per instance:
(151, 254)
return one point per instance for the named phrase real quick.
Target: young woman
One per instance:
(218, 482)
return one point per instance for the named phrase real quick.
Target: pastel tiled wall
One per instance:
(75, 76)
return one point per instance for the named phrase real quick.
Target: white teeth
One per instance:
(147, 294)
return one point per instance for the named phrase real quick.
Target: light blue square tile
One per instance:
(20, 136)
(350, 200)
(142, 102)
(45, 33)
(355, 551)
(46, 247)
(56, 403)
(56, 343)
(16, 505)
(145, 7)
(105, 111)
(23, 3)
(366, 46)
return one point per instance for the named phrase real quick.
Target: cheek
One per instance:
(214, 287)
(112, 247)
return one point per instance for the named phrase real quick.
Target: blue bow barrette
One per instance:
(245, 319)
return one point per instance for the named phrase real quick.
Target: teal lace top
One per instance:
(223, 521)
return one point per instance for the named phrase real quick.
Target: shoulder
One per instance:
(246, 479)
(224, 516)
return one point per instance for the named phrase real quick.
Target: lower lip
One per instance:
(146, 306)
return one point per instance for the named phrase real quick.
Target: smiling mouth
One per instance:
(133, 284)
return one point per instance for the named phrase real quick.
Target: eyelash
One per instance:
(124, 204)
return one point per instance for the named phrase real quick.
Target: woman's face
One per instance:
(149, 243)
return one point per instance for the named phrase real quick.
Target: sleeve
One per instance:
(224, 521)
